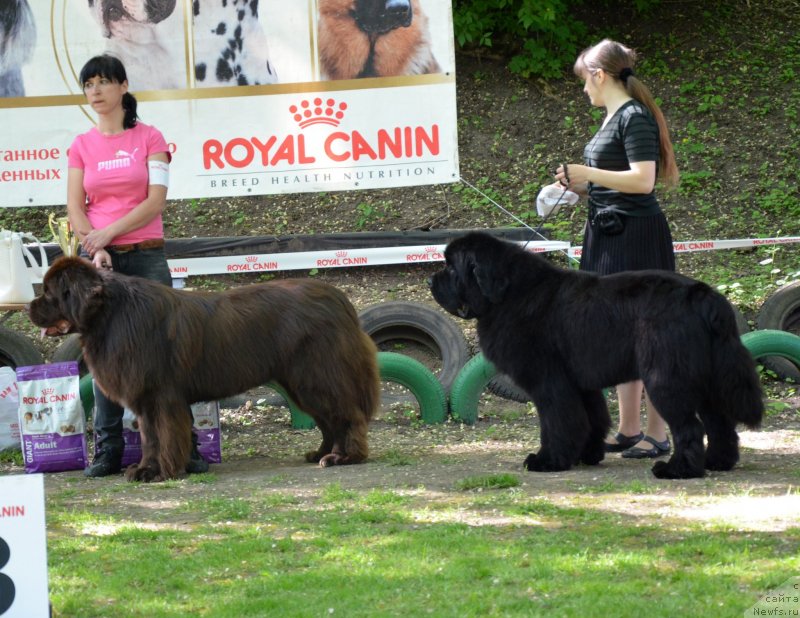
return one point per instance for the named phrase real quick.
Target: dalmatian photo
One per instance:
(230, 46)
(17, 40)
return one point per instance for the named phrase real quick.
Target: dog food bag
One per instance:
(51, 418)
(206, 426)
(132, 451)
(9, 409)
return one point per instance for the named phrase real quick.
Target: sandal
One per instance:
(637, 452)
(624, 442)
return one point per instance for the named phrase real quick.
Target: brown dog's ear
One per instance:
(493, 285)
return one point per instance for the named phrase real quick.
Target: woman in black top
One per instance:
(626, 229)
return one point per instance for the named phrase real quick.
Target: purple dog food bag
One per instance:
(9, 409)
(206, 426)
(51, 418)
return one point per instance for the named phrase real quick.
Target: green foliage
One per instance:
(11, 455)
(541, 38)
(538, 36)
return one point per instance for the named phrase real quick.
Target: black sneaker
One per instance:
(196, 465)
(105, 463)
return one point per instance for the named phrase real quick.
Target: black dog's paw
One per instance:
(721, 460)
(537, 463)
(593, 455)
(721, 464)
(667, 470)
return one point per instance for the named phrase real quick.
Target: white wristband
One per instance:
(159, 173)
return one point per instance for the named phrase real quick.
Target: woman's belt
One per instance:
(154, 243)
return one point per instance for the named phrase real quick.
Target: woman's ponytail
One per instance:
(129, 105)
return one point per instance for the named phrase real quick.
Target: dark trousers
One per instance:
(149, 264)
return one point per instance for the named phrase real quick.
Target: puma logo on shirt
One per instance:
(123, 159)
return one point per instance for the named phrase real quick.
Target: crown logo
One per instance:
(341, 254)
(430, 249)
(251, 258)
(48, 391)
(318, 111)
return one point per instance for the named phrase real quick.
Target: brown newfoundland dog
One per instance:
(564, 335)
(374, 38)
(158, 350)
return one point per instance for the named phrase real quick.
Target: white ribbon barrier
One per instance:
(341, 258)
(710, 245)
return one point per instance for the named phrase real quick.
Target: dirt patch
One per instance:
(264, 455)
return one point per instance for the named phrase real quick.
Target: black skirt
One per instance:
(645, 243)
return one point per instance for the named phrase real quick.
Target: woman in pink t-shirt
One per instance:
(116, 191)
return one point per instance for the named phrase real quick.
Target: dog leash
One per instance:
(537, 230)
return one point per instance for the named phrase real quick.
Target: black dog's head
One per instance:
(113, 15)
(382, 16)
(475, 276)
(71, 297)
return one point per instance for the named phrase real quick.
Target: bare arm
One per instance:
(76, 203)
(147, 210)
(641, 178)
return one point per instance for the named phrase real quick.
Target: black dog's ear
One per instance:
(493, 286)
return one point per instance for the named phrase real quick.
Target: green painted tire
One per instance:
(420, 380)
(773, 343)
(86, 389)
(300, 420)
(398, 368)
(468, 386)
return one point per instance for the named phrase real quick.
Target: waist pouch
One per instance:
(607, 220)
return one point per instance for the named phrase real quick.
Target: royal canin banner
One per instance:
(253, 96)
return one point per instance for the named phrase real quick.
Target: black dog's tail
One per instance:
(734, 367)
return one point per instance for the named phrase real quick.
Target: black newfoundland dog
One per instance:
(564, 335)
(158, 350)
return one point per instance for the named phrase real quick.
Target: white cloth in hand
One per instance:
(551, 198)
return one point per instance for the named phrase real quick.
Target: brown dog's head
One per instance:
(71, 296)
(475, 276)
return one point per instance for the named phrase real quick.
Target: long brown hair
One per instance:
(617, 61)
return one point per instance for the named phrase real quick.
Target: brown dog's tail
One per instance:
(371, 391)
(734, 367)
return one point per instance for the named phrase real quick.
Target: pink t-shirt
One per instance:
(115, 176)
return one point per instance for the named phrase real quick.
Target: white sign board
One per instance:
(23, 547)
(276, 97)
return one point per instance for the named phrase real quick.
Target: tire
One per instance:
(408, 321)
(467, 388)
(70, 349)
(779, 343)
(17, 350)
(398, 368)
(741, 322)
(86, 389)
(781, 311)
(300, 420)
(417, 378)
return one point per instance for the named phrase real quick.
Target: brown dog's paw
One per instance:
(313, 456)
(143, 474)
(333, 459)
